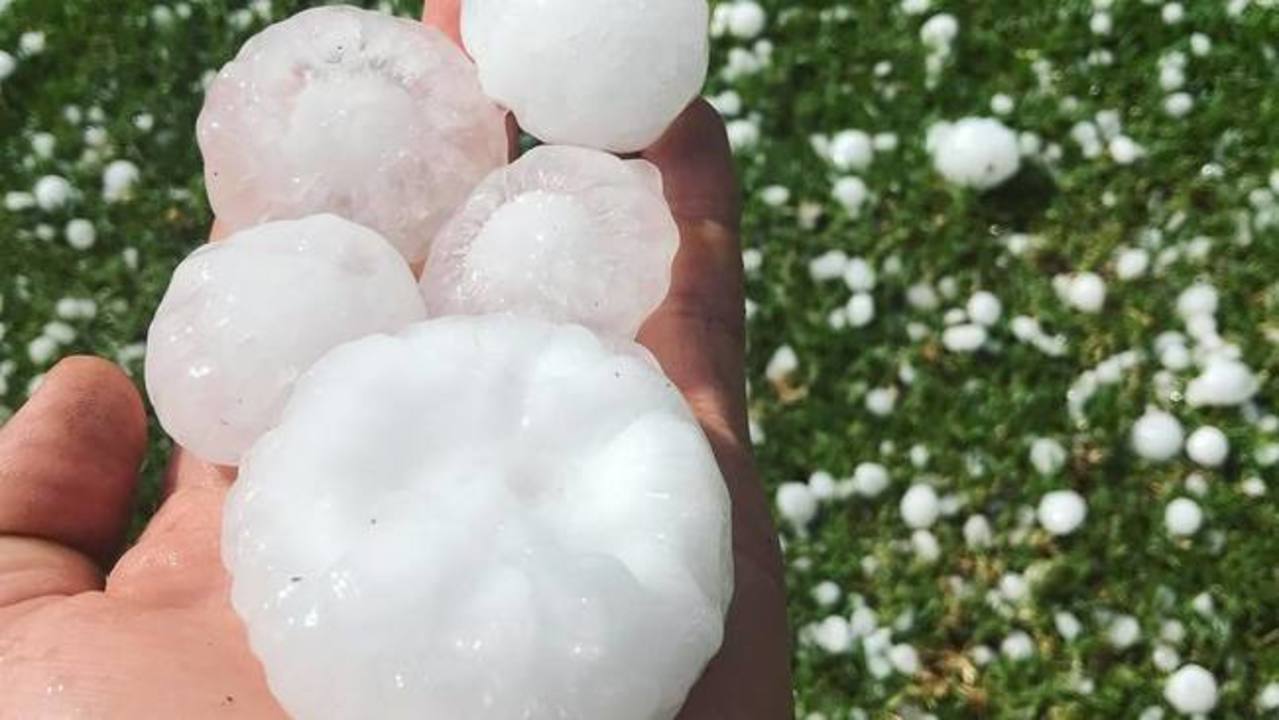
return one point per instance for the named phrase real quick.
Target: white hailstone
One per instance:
(118, 180)
(864, 621)
(982, 655)
(1123, 632)
(833, 635)
(752, 261)
(775, 195)
(1172, 13)
(1200, 44)
(1172, 631)
(870, 479)
(1157, 436)
(1268, 698)
(565, 234)
(1203, 604)
(743, 134)
(826, 593)
(1182, 517)
(851, 150)
(1084, 291)
(1047, 456)
(828, 266)
(977, 532)
(1101, 23)
(1001, 104)
(1224, 382)
(52, 192)
(1165, 658)
(727, 103)
(922, 296)
(859, 275)
(822, 485)
(797, 504)
(60, 332)
(1013, 587)
(860, 310)
(984, 308)
(17, 201)
(924, 543)
(286, 130)
(96, 137)
(882, 401)
(1132, 263)
(964, 338)
(41, 350)
(7, 65)
(746, 19)
(919, 455)
(1171, 78)
(1068, 626)
(1061, 512)
(919, 506)
(1179, 104)
(851, 193)
(397, 492)
(43, 144)
(557, 66)
(886, 142)
(1198, 299)
(1125, 151)
(81, 234)
(31, 42)
(1192, 690)
(782, 364)
(980, 153)
(1017, 646)
(1208, 446)
(1197, 484)
(219, 368)
(939, 31)
(1253, 487)
(915, 7)
(905, 659)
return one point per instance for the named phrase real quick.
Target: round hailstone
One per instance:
(1223, 383)
(1192, 690)
(797, 504)
(920, 506)
(1183, 517)
(1061, 512)
(608, 75)
(482, 517)
(980, 153)
(378, 119)
(564, 234)
(1208, 446)
(243, 318)
(1157, 436)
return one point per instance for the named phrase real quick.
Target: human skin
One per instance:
(152, 633)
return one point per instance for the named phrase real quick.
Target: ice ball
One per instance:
(245, 317)
(980, 153)
(609, 75)
(486, 518)
(563, 234)
(378, 119)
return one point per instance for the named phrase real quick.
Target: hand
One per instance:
(154, 636)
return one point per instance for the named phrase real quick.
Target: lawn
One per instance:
(1150, 142)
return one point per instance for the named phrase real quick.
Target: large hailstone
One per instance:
(485, 518)
(609, 75)
(980, 153)
(243, 318)
(563, 234)
(378, 119)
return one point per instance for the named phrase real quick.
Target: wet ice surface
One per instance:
(483, 517)
(564, 234)
(609, 75)
(378, 119)
(243, 318)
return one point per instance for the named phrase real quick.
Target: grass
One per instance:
(975, 415)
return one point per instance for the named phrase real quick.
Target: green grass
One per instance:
(975, 414)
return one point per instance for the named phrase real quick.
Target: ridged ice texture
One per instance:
(609, 75)
(378, 119)
(484, 518)
(244, 318)
(564, 234)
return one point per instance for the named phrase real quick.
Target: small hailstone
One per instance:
(219, 369)
(851, 193)
(1182, 517)
(882, 401)
(915, 7)
(60, 332)
(939, 31)
(1068, 626)
(870, 479)
(1198, 299)
(1222, 383)
(1172, 13)
(565, 234)
(1124, 150)
(41, 350)
(1253, 487)
(905, 659)
(797, 504)
(118, 180)
(1001, 104)
(1172, 631)
(924, 543)
(860, 310)
(1200, 44)
(746, 19)
(1192, 690)
(81, 234)
(1061, 512)
(984, 308)
(31, 42)
(1101, 23)
(1085, 291)
(826, 593)
(964, 338)
(1208, 446)
(556, 66)
(922, 296)
(1197, 484)
(1178, 104)
(1172, 78)
(833, 635)
(743, 134)
(7, 65)
(828, 266)
(1013, 587)
(885, 142)
(51, 192)
(851, 150)
(822, 485)
(1132, 263)
(752, 261)
(977, 532)
(920, 455)
(1047, 455)
(782, 365)
(1123, 632)
(1268, 698)
(859, 275)
(1165, 658)
(775, 195)
(982, 655)
(919, 506)
(1157, 436)
(980, 153)
(1203, 604)
(1017, 646)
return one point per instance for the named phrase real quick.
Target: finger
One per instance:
(68, 467)
(445, 16)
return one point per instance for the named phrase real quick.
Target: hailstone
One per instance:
(980, 153)
(564, 234)
(243, 318)
(608, 75)
(378, 119)
(486, 518)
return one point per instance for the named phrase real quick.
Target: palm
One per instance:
(158, 637)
